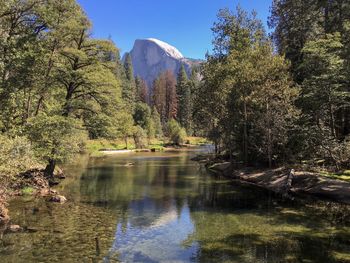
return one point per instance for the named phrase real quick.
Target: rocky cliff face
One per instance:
(150, 57)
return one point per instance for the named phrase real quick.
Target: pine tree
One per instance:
(183, 90)
(141, 90)
(129, 85)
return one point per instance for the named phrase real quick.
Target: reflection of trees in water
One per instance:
(246, 224)
(161, 182)
(232, 222)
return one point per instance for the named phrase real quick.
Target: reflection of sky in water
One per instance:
(153, 242)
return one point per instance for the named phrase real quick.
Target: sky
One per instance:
(185, 24)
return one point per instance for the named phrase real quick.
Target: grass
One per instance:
(196, 140)
(94, 147)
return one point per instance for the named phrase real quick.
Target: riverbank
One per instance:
(302, 184)
(100, 147)
(30, 183)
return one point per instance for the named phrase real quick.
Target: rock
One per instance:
(223, 169)
(200, 158)
(58, 199)
(15, 228)
(47, 192)
(58, 172)
(150, 57)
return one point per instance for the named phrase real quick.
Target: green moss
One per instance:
(27, 191)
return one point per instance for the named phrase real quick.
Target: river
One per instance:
(166, 208)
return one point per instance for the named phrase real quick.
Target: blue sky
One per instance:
(185, 24)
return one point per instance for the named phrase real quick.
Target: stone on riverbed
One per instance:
(58, 199)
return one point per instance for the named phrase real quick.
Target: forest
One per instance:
(262, 99)
(60, 87)
(272, 99)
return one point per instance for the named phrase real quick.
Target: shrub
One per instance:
(56, 137)
(139, 136)
(16, 156)
(175, 132)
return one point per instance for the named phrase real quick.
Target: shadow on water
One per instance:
(165, 208)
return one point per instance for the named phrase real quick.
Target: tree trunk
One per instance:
(269, 139)
(331, 116)
(245, 134)
(126, 142)
(50, 168)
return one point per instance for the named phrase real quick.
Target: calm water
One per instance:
(165, 208)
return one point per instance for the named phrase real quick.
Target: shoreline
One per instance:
(33, 182)
(303, 184)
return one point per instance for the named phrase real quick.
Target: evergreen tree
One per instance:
(141, 90)
(158, 130)
(129, 85)
(183, 89)
(246, 93)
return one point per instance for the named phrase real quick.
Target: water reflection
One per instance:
(152, 236)
(164, 209)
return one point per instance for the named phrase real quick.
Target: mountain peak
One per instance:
(169, 49)
(151, 56)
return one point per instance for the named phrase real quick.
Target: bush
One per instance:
(16, 156)
(175, 132)
(56, 137)
(139, 137)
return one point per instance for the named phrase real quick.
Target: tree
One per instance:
(164, 96)
(324, 91)
(142, 90)
(183, 90)
(247, 98)
(56, 139)
(129, 86)
(175, 132)
(158, 130)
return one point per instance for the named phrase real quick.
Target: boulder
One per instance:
(222, 169)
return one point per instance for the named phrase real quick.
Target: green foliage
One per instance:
(157, 125)
(247, 98)
(16, 156)
(175, 132)
(183, 89)
(56, 137)
(142, 115)
(129, 86)
(139, 136)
